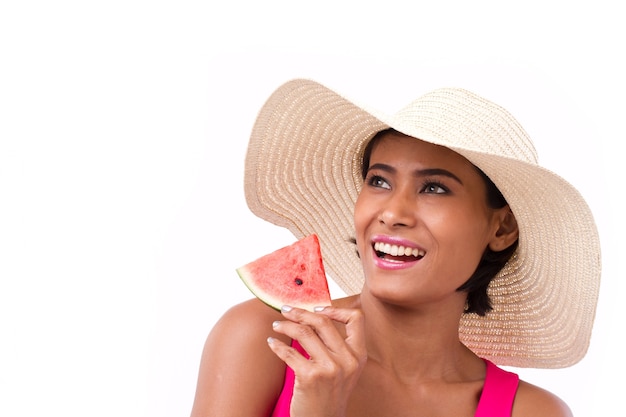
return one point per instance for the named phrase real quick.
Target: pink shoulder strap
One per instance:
(283, 405)
(498, 393)
(496, 399)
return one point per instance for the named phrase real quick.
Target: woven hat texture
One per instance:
(303, 172)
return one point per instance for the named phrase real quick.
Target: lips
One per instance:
(397, 252)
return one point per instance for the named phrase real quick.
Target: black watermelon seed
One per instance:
(298, 281)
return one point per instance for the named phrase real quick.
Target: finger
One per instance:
(319, 335)
(289, 355)
(314, 326)
(354, 322)
(307, 337)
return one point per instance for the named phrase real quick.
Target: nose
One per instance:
(398, 210)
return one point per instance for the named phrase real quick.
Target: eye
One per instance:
(434, 187)
(378, 182)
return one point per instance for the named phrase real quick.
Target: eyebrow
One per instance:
(420, 172)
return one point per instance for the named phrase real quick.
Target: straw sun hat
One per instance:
(303, 173)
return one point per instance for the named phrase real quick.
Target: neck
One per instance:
(416, 342)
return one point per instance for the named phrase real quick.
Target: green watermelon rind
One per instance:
(276, 304)
(302, 259)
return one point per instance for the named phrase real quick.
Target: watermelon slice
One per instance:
(293, 275)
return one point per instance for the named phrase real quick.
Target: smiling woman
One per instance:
(466, 256)
(436, 179)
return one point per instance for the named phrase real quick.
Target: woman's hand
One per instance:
(325, 380)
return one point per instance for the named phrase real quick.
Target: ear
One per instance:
(507, 231)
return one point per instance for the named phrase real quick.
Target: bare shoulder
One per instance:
(532, 400)
(248, 316)
(244, 326)
(237, 363)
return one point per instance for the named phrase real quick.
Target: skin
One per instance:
(394, 349)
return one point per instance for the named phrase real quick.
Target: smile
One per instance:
(397, 252)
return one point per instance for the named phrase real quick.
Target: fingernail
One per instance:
(276, 323)
(286, 308)
(319, 308)
(270, 340)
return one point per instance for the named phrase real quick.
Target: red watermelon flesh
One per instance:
(293, 275)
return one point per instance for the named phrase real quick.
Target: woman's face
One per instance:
(422, 221)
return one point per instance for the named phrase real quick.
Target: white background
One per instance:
(123, 129)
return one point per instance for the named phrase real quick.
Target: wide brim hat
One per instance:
(303, 172)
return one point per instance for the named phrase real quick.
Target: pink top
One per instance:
(496, 399)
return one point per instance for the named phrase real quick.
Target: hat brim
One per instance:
(303, 173)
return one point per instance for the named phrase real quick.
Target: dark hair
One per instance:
(491, 262)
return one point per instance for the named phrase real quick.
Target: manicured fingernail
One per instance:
(270, 340)
(286, 308)
(276, 323)
(319, 308)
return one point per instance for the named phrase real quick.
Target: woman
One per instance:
(457, 251)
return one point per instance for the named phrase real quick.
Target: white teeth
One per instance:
(395, 250)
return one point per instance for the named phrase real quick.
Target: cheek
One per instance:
(359, 216)
(467, 237)
(363, 215)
